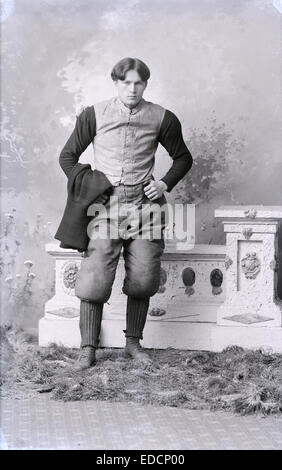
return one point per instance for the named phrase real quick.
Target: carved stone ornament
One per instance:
(216, 290)
(163, 276)
(163, 279)
(247, 232)
(69, 275)
(189, 290)
(250, 213)
(228, 261)
(274, 264)
(250, 265)
(65, 312)
(248, 318)
(157, 312)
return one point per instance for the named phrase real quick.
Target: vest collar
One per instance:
(128, 110)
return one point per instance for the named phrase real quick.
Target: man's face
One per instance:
(131, 89)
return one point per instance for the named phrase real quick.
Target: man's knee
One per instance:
(93, 288)
(141, 286)
(92, 294)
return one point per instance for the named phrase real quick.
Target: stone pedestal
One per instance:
(251, 266)
(64, 304)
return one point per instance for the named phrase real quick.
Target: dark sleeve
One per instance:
(82, 135)
(172, 140)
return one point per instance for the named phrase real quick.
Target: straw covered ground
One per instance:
(238, 380)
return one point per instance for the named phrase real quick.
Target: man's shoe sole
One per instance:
(78, 366)
(142, 358)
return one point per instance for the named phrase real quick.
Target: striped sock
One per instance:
(90, 322)
(136, 314)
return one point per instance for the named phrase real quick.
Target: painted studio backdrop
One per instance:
(215, 63)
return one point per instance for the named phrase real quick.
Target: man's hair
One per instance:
(124, 65)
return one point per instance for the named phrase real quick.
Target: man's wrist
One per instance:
(164, 185)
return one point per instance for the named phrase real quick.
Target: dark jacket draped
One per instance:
(83, 187)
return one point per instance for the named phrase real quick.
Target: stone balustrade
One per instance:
(210, 297)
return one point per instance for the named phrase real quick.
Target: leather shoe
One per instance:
(134, 350)
(87, 358)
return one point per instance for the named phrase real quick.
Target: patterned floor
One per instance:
(47, 424)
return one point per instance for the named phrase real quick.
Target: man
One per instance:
(125, 131)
